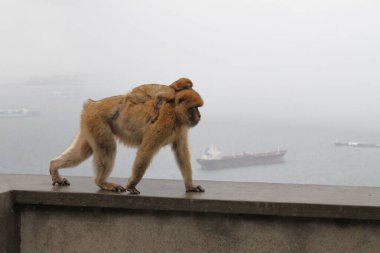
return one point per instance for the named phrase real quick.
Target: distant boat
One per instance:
(18, 113)
(62, 94)
(356, 144)
(212, 159)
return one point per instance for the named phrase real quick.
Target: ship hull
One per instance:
(356, 145)
(19, 114)
(244, 161)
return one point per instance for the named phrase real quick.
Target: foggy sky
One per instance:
(298, 60)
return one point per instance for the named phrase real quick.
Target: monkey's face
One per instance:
(194, 116)
(187, 104)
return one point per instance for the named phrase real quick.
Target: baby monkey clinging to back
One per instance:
(158, 93)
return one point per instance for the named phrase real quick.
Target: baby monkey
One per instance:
(159, 93)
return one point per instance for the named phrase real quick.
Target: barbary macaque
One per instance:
(159, 93)
(131, 123)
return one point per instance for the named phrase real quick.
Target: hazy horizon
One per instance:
(296, 60)
(309, 67)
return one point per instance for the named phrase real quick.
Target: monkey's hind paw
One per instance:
(112, 187)
(197, 188)
(61, 181)
(133, 190)
(119, 188)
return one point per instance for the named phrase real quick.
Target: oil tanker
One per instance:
(356, 144)
(18, 113)
(212, 159)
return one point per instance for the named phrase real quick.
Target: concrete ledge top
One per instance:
(318, 201)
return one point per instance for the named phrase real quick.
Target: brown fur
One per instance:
(133, 127)
(182, 84)
(158, 92)
(145, 92)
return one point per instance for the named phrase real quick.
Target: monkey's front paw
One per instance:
(197, 188)
(133, 190)
(60, 181)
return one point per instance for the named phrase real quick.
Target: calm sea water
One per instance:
(28, 144)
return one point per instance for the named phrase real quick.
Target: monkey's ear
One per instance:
(189, 98)
(182, 84)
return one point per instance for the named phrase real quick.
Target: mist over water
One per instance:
(298, 74)
(28, 144)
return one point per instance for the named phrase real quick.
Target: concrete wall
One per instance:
(101, 230)
(229, 217)
(9, 229)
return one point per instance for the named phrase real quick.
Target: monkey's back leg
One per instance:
(103, 144)
(78, 151)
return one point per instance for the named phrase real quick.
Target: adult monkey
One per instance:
(132, 125)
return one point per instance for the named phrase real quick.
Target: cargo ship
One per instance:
(18, 113)
(212, 159)
(356, 144)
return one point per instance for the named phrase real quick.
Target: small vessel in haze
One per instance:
(18, 113)
(212, 159)
(356, 144)
(64, 94)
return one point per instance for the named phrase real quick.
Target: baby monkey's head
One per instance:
(182, 84)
